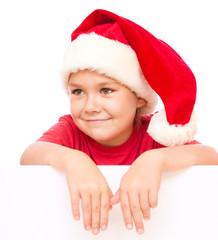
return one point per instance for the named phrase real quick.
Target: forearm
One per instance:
(44, 153)
(178, 157)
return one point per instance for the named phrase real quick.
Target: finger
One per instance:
(116, 198)
(127, 216)
(144, 203)
(110, 197)
(86, 210)
(110, 193)
(153, 198)
(75, 198)
(96, 207)
(104, 210)
(136, 212)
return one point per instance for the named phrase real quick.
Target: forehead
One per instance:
(84, 75)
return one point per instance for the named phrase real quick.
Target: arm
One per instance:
(178, 157)
(84, 179)
(139, 186)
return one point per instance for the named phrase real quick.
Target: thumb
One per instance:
(116, 198)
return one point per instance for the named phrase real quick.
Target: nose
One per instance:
(93, 104)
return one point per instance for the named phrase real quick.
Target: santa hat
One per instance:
(121, 49)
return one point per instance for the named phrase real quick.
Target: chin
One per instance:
(102, 140)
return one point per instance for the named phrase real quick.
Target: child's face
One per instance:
(102, 108)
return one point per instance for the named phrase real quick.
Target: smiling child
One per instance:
(99, 107)
(112, 72)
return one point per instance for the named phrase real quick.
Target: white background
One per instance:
(34, 35)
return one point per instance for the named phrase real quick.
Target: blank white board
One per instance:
(35, 204)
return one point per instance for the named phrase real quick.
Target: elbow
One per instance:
(212, 156)
(27, 156)
(23, 159)
(215, 156)
(207, 155)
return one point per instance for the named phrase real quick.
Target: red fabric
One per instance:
(66, 133)
(164, 69)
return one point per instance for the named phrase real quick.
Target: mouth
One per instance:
(95, 121)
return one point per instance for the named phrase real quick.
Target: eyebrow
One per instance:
(72, 84)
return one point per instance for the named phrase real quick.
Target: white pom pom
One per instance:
(171, 135)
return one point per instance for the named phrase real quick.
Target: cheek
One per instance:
(125, 108)
(75, 108)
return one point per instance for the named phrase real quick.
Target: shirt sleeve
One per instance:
(158, 145)
(61, 133)
(193, 142)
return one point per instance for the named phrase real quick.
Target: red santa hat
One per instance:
(121, 49)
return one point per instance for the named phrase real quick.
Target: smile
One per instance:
(95, 121)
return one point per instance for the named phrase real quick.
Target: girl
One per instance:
(112, 71)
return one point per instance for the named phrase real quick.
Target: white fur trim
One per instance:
(171, 135)
(111, 58)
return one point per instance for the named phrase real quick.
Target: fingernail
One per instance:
(95, 231)
(129, 226)
(88, 227)
(104, 227)
(77, 218)
(140, 230)
(146, 217)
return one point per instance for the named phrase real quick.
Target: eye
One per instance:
(77, 92)
(106, 91)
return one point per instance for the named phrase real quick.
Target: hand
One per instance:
(86, 182)
(138, 191)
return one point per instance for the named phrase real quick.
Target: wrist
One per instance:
(152, 157)
(70, 159)
(63, 158)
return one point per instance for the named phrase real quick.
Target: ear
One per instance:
(141, 102)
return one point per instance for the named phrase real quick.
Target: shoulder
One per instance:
(63, 132)
(68, 126)
(66, 119)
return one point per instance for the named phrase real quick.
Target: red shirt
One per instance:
(67, 134)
